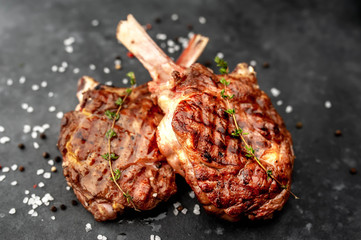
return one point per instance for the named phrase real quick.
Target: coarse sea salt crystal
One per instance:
(2, 129)
(2, 177)
(6, 169)
(47, 175)
(9, 82)
(52, 217)
(279, 102)
(24, 106)
(35, 87)
(69, 41)
(176, 204)
(35, 214)
(184, 211)
(202, 20)
(191, 194)
(125, 80)
(175, 212)
(50, 94)
(54, 68)
(76, 70)
(26, 192)
(43, 84)
(46, 126)
(22, 80)
(196, 209)
(27, 128)
(12, 211)
(253, 63)
(41, 184)
(106, 70)
(69, 49)
(59, 115)
(36, 145)
(25, 200)
(39, 171)
(4, 140)
(328, 104)
(13, 183)
(88, 227)
(92, 67)
(108, 83)
(289, 109)
(14, 167)
(161, 36)
(30, 109)
(220, 55)
(174, 17)
(275, 92)
(67, 188)
(51, 162)
(95, 22)
(34, 134)
(52, 109)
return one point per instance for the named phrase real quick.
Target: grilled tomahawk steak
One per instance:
(196, 134)
(145, 174)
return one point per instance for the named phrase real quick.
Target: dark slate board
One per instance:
(313, 48)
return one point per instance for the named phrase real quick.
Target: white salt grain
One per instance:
(25, 200)
(253, 63)
(34, 135)
(31, 211)
(175, 212)
(59, 115)
(67, 188)
(108, 83)
(174, 17)
(61, 69)
(4, 140)
(184, 211)
(9, 82)
(95, 22)
(69, 41)
(163, 45)
(220, 55)
(51, 162)
(176, 204)
(43, 84)
(279, 102)
(26, 192)
(161, 36)
(52, 217)
(64, 64)
(100, 237)
(328, 104)
(54, 68)
(13, 183)
(27, 128)
(275, 92)
(76, 70)
(289, 109)
(202, 20)
(24, 106)
(106, 70)
(155, 194)
(14, 167)
(88, 227)
(2, 129)
(2, 177)
(22, 80)
(50, 94)
(35, 214)
(12, 211)
(196, 209)
(41, 184)
(92, 67)
(69, 49)
(30, 109)
(35, 87)
(47, 175)
(125, 80)
(6, 169)
(39, 171)
(191, 194)
(157, 237)
(52, 109)
(36, 145)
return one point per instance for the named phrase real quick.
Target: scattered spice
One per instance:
(207, 63)
(21, 169)
(35, 185)
(266, 65)
(148, 26)
(158, 20)
(338, 133)
(46, 155)
(299, 125)
(42, 136)
(353, 171)
(53, 169)
(21, 146)
(190, 27)
(130, 55)
(74, 203)
(57, 159)
(180, 208)
(62, 207)
(53, 208)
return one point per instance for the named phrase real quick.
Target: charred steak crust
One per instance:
(146, 175)
(227, 182)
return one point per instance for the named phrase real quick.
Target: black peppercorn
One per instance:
(299, 125)
(338, 133)
(46, 155)
(57, 159)
(353, 171)
(42, 136)
(21, 168)
(53, 209)
(62, 207)
(21, 146)
(74, 202)
(266, 65)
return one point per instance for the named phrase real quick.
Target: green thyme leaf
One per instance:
(132, 78)
(105, 156)
(119, 101)
(222, 64)
(111, 115)
(129, 91)
(128, 197)
(110, 134)
(113, 156)
(269, 174)
(230, 111)
(224, 82)
(117, 174)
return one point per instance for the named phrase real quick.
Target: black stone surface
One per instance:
(313, 48)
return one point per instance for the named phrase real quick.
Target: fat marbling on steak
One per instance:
(145, 173)
(196, 133)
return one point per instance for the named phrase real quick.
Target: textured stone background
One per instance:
(314, 52)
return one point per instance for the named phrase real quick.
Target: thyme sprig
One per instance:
(110, 134)
(250, 153)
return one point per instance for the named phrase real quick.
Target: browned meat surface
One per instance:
(195, 133)
(145, 173)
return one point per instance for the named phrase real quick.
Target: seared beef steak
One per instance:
(196, 133)
(145, 173)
